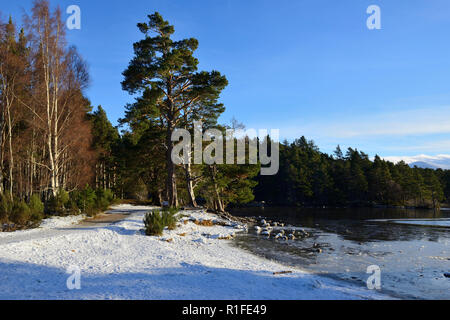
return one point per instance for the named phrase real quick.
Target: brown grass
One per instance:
(204, 223)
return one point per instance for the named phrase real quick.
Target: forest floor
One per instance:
(118, 261)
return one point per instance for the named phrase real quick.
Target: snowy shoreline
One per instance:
(118, 261)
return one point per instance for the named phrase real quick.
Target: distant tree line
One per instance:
(308, 177)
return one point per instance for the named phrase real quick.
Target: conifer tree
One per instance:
(165, 73)
(105, 139)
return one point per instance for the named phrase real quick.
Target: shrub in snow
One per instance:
(86, 200)
(104, 198)
(169, 216)
(90, 201)
(72, 207)
(21, 213)
(6, 206)
(156, 221)
(36, 208)
(57, 204)
(153, 224)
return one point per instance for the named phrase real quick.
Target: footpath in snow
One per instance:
(118, 261)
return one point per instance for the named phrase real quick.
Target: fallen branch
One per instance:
(282, 272)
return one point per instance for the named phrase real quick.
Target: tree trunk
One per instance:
(218, 206)
(11, 157)
(2, 151)
(160, 196)
(171, 182)
(190, 185)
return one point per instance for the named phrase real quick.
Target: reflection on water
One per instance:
(342, 243)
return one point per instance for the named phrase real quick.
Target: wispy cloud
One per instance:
(424, 121)
(423, 147)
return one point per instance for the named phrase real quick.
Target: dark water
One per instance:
(411, 247)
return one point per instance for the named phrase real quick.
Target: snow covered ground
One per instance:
(117, 261)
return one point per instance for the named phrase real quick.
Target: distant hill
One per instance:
(423, 165)
(441, 161)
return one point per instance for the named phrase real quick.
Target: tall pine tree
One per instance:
(165, 73)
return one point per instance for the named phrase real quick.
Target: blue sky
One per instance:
(306, 67)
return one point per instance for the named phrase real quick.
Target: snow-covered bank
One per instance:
(47, 224)
(119, 262)
(49, 227)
